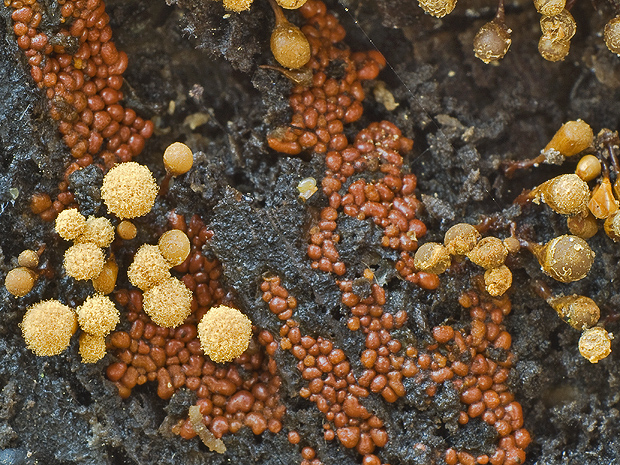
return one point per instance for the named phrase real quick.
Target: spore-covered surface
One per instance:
(194, 70)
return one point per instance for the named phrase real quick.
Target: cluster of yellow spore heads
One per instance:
(464, 240)
(557, 26)
(568, 258)
(166, 299)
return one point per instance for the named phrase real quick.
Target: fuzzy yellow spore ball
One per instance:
(432, 258)
(149, 268)
(98, 315)
(489, 253)
(47, 327)
(498, 280)
(291, 4)
(19, 281)
(595, 344)
(566, 194)
(70, 224)
(98, 231)
(461, 238)
(437, 8)
(178, 158)
(92, 348)
(84, 261)
(174, 245)
(612, 35)
(169, 303)
(237, 5)
(224, 333)
(129, 190)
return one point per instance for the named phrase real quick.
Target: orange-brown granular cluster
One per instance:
(230, 396)
(389, 200)
(81, 71)
(481, 381)
(331, 384)
(335, 97)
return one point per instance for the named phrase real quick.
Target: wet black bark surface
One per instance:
(465, 118)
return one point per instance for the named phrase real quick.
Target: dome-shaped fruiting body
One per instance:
(461, 238)
(106, 281)
(595, 344)
(84, 261)
(98, 231)
(561, 26)
(432, 258)
(588, 168)
(19, 281)
(98, 315)
(577, 310)
(492, 41)
(92, 348)
(178, 158)
(174, 245)
(289, 45)
(566, 194)
(583, 225)
(572, 138)
(28, 259)
(149, 268)
(566, 258)
(126, 230)
(553, 50)
(437, 8)
(291, 4)
(70, 223)
(489, 253)
(47, 327)
(224, 333)
(169, 303)
(129, 190)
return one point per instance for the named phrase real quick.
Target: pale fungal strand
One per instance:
(84, 261)
(91, 348)
(70, 223)
(169, 303)
(224, 333)
(437, 8)
(129, 190)
(595, 344)
(47, 327)
(214, 444)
